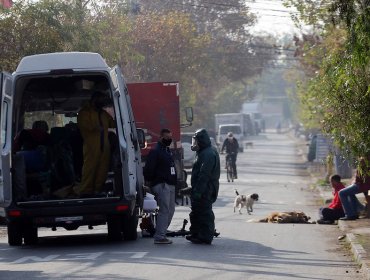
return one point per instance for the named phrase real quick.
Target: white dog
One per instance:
(245, 200)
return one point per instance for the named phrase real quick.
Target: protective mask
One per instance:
(167, 142)
(194, 145)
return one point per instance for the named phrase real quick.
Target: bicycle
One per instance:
(229, 169)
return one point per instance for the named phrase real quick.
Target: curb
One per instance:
(358, 251)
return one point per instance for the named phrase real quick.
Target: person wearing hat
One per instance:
(94, 121)
(231, 146)
(205, 177)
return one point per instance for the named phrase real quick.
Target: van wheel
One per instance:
(114, 228)
(30, 235)
(129, 226)
(14, 234)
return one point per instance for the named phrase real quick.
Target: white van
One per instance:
(224, 129)
(49, 90)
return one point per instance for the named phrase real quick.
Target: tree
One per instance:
(338, 94)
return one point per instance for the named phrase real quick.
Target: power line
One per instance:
(211, 4)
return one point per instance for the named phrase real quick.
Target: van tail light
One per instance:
(15, 213)
(121, 208)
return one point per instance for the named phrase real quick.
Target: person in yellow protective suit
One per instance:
(93, 121)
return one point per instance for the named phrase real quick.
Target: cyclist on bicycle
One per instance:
(231, 146)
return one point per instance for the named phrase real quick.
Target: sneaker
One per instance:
(349, 218)
(163, 241)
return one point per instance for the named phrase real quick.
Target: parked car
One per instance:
(189, 155)
(214, 144)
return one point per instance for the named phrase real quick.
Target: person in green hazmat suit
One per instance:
(94, 121)
(205, 177)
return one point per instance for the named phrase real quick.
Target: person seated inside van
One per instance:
(30, 139)
(30, 147)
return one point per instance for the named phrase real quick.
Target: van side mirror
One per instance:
(141, 137)
(188, 116)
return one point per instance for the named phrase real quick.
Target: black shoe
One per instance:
(325, 222)
(190, 237)
(196, 240)
(349, 218)
(200, 241)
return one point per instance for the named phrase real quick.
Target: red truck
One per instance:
(156, 105)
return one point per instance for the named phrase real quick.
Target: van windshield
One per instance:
(234, 129)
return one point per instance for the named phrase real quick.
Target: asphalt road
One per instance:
(246, 249)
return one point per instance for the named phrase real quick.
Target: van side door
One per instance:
(6, 86)
(126, 131)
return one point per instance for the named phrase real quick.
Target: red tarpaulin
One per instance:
(6, 3)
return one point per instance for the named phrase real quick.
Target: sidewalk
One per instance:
(357, 232)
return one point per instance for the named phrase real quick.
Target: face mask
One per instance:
(166, 142)
(194, 145)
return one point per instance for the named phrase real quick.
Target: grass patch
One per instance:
(322, 183)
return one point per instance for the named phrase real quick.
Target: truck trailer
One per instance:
(50, 90)
(156, 105)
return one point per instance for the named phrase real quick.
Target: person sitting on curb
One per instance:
(360, 184)
(334, 210)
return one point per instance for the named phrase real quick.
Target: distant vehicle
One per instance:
(254, 110)
(224, 129)
(213, 143)
(189, 155)
(243, 120)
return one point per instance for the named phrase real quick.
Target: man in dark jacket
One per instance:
(231, 146)
(160, 175)
(204, 181)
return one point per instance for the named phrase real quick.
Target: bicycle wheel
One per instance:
(229, 172)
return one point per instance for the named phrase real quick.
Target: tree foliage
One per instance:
(337, 94)
(206, 47)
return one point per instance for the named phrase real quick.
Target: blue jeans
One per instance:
(349, 201)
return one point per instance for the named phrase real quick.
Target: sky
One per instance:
(273, 17)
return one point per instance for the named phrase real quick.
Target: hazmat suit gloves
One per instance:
(196, 196)
(185, 191)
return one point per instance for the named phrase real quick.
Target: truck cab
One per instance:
(46, 92)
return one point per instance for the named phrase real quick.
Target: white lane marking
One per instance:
(75, 257)
(135, 255)
(35, 259)
(82, 256)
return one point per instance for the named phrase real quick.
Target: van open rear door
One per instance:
(5, 138)
(125, 127)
